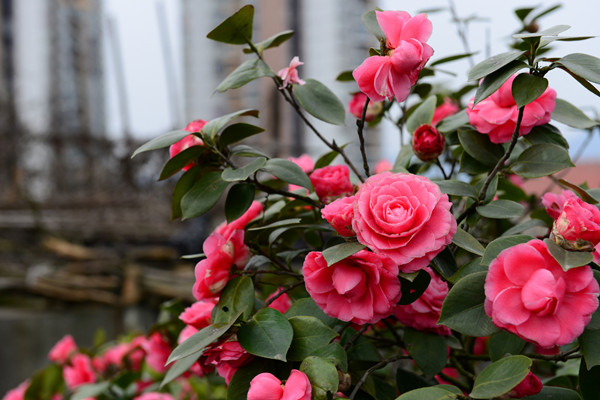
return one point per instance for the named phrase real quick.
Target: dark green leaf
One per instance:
(320, 102)
(453, 122)
(237, 296)
(422, 115)
(493, 81)
(524, 226)
(203, 195)
(413, 288)
(45, 383)
(526, 88)
(175, 164)
(86, 391)
(471, 267)
(500, 377)
(502, 343)
(236, 29)
(240, 382)
(239, 200)
(361, 349)
(370, 20)
(246, 72)
(345, 76)
(273, 41)
(268, 334)
(522, 13)
(183, 185)
(403, 159)
(501, 209)
(466, 241)
(568, 259)
(479, 147)
(496, 246)
(546, 134)
(456, 188)
(556, 393)
(323, 377)
(585, 196)
(427, 349)
(242, 150)
(334, 353)
(541, 160)
(288, 171)
(326, 159)
(429, 393)
(568, 114)
(161, 142)
(584, 65)
(239, 174)
(463, 307)
(341, 251)
(589, 347)
(548, 11)
(214, 126)
(451, 58)
(492, 64)
(589, 382)
(276, 224)
(310, 334)
(180, 366)
(236, 132)
(445, 263)
(582, 81)
(552, 31)
(471, 166)
(408, 380)
(308, 307)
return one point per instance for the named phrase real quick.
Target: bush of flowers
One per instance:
(328, 281)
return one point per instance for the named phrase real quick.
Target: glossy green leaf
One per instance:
(214, 126)
(526, 88)
(584, 65)
(175, 164)
(445, 263)
(310, 334)
(183, 185)
(582, 81)
(323, 377)
(341, 251)
(453, 122)
(307, 307)
(524, 226)
(413, 288)
(161, 142)
(541, 160)
(501, 209)
(246, 72)
(239, 199)
(427, 349)
(237, 29)
(552, 31)
(237, 296)
(502, 343)
(91, 390)
(496, 246)
(466, 241)
(345, 76)
(361, 349)
(492, 64)
(243, 150)
(522, 13)
(589, 347)
(422, 115)
(463, 307)
(469, 268)
(320, 102)
(568, 259)
(203, 195)
(584, 194)
(268, 334)
(276, 224)
(239, 174)
(568, 114)
(546, 134)
(335, 354)
(456, 188)
(479, 147)
(403, 158)
(429, 393)
(237, 389)
(493, 81)
(180, 366)
(288, 171)
(370, 20)
(471, 166)
(451, 58)
(273, 41)
(327, 159)
(500, 377)
(556, 393)
(45, 383)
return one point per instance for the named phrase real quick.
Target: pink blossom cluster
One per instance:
(188, 141)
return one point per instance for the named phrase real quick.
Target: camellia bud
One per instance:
(528, 387)
(427, 143)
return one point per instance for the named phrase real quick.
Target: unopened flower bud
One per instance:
(427, 143)
(528, 387)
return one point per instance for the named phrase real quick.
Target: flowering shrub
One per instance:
(437, 277)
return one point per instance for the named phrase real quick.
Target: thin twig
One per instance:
(437, 162)
(375, 367)
(361, 124)
(287, 273)
(356, 336)
(460, 29)
(285, 290)
(270, 190)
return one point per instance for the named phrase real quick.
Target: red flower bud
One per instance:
(528, 387)
(427, 143)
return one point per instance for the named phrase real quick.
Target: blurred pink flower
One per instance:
(289, 75)
(62, 350)
(79, 372)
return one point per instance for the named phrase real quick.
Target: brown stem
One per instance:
(269, 189)
(375, 367)
(361, 124)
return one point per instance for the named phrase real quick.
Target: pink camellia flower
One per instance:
(227, 357)
(266, 386)
(305, 162)
(382, 166)
(339, 214)
(186, 333)
(496, 116)
(578, 226)
(363, 288)
(446, 109)
(226, 229)
(17, 393)
(357, 103)
(529, 386)
(392, 74)
(403, 216)
(79, 372)
(157, 352)
(424, 313)
(154, 396)
(427, 143)
(188, 141)
(331, 182)
(199, 313)
(529, 294)
(281, 303)
(554, 203)
(289, 75)
(62, 350)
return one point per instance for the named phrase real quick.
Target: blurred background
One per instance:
(87, 245)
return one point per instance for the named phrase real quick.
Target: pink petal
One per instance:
(508, 308)
(391, 23)
(418, 27)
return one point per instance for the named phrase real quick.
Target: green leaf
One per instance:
(466, 241)
(175, 164)
(445, 263)
(463, 307)
(239, 200)
(422, 115)
(582, 81)
(239, 174)
(161, 142)
(496, 246)
(453, 187)
(307, 307)
(589, 347)
(323, 377)
(408, 380)
(341, 251)
(585, 196)
(589, 382)
(268, 334)
(413, 288)
(334, 353)
(469, 268)
(541, 160)
(403, 159)
(236, 29)
(427, 349)
(326, 159)
(273, 41)
(179, 368)
(451, 58)
(492, 64)
(522, 13)
(360, 349)
(276, 224)
(546, 134)
(214, 126)
(502, 343)
(493, 81)
(500, 377)
(429, 393)
(237, 296)
(246, 72)
(240, 382)
(479, 147)
(345, 76)
(198, 341)
(203, 195)
(453, 122)
(568, 259)
(236, 132)
(91, 390)
(310, 334)
(552, 31)
(556, 393)
(526, 88)
(469, 165)
(288, 171)
(584, 65)
(370, 20)
(568, 114)
(243, 150)
(183, 185)
(523, 226)
(501, 209)
(44, 383)
(320, 102)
